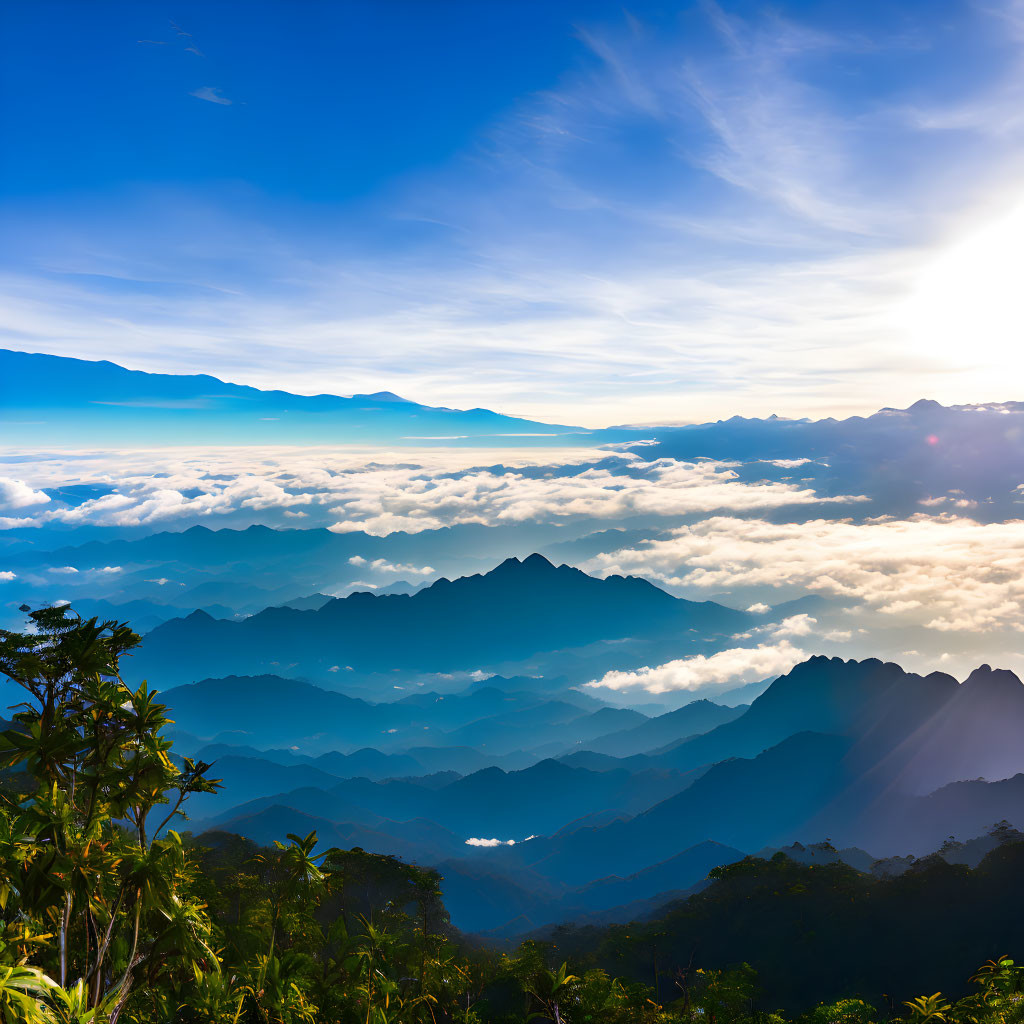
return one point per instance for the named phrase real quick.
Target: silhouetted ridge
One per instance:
(102, 399)
(534, 563)
(1000, 680)
(869, 698)
(698, 716)
(515, 611)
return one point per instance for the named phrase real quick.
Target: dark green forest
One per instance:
(108, 914)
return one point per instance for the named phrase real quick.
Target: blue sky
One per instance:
(575, 211)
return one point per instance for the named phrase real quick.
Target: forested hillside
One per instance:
(110, 915)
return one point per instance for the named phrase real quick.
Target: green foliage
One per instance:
(107, 915)
(925, 1009)
(725, 997)
(818, 932)
(845, 1011)
(83, 856)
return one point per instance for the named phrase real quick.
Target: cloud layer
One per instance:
(936, 585)
(944, 572)
(381, 492)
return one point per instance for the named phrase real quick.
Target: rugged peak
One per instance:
(532, 563)
(535, 560)
(993, 679)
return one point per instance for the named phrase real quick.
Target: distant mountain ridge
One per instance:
(228, 571)
(699, 716)
(270, 710)
(861, 752)
(105, 403)
(517, 610)
(879, 741)
(489, 803)
(898, 458)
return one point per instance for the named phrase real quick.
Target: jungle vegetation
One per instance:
(107, 914)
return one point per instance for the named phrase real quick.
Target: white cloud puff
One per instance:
(18, 494)
(796, 625)
(384, 566)
(6, 576)
(731, 667)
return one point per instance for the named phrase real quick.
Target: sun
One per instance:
(966, 309)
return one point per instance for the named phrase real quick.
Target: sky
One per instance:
(582, 212)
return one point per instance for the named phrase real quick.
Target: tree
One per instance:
(85, 854)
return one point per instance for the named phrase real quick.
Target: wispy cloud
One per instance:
(211, 94)
(695, 219)
(382, 565)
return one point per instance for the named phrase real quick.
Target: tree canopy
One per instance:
(109, 914)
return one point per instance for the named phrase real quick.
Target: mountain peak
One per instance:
(384, 396)
(532, 563)
(993, 679)
(925, 405)
(536, 561)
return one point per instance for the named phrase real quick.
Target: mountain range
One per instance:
(858, 751)
(233, 572)
(512, 615)
(896, 458)
(446, 720)
(44, 397)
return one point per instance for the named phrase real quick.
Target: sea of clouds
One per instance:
(379, 491)
(934, 589)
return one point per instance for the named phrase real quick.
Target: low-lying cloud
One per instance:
(17, 494)
(381, 492)
(939, 581)
(732, 667)
(943, 572)
(383, 565)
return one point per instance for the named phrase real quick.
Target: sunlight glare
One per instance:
(967, 307)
